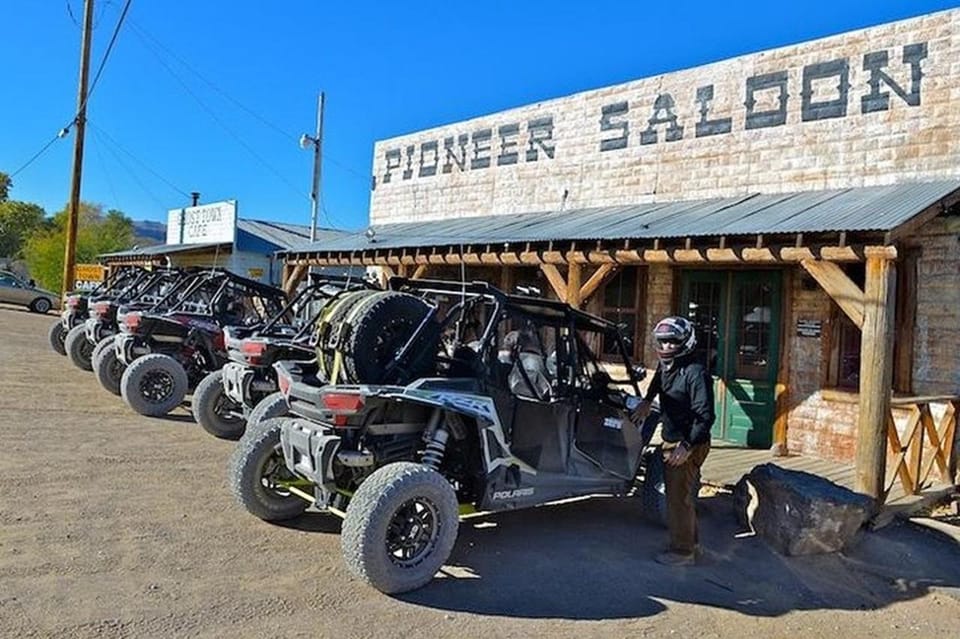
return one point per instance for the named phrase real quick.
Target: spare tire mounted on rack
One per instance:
(364, 332)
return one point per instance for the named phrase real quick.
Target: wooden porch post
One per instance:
(876, 372)
(574, 277)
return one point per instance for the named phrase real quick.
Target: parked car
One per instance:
(451, 398)
(14, 290)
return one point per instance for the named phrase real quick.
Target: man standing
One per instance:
(685, 388)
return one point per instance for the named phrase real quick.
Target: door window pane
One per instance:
(753, 331)
(703, 309)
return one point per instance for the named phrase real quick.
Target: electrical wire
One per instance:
(138, 160)
(93, 85)
(97, 132)
(35, 157)
(237, 138)
(146, 35)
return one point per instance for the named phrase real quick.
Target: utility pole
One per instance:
(73, 211)
(317, 142)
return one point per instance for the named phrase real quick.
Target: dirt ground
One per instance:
(116, 525)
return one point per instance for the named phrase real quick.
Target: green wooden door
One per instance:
(737, 315)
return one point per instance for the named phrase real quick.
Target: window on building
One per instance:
(621, 300)
(844, 364)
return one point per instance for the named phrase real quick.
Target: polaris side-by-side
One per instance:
(167, 353)
(75, 307)
(245, 390)
(439, 397)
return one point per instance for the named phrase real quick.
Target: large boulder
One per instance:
(798, 513)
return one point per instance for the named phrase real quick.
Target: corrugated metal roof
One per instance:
(163, 249)
(286, 235)
(871, 208)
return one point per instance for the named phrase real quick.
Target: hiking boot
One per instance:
(677, 559)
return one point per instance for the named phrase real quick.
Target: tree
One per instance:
(5, 185)
(97, 233)
(18, 220)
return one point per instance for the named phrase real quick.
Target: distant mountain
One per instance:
(148, 232)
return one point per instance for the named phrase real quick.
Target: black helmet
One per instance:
(675, 338)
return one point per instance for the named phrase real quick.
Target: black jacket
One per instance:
(686, 401)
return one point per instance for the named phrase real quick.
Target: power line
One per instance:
(106, 54)
(35, 157)
(238, 139)
(144, 34)
(98, 132)
(142, 164)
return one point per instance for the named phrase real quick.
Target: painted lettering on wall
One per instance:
(820, 91)
(529, 141)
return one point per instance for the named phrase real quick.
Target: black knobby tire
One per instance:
(41, 305)
(344, 307)
(153, 385)
(256, 463)
(400, 509)
(271, 406)
(57, 334)
(385, 324)
(107, 366)
(214, 411)
(653, 491)
(78, 347)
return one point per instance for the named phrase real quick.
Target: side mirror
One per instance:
(33, 282)
(639, 372)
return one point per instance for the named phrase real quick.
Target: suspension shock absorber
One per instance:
(436, 440)
(433, 454)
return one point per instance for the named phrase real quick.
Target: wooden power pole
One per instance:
(79, 124)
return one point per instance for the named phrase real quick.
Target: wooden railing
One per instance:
(926, 443)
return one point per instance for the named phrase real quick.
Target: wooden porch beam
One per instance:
(876, 375)
(556, 280)
(296, 275)
(420, 272)
(839, 287)
(600, 277)
(574, 276)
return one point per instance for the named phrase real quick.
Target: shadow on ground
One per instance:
(594, 560)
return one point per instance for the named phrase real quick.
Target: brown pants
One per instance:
(682, 483)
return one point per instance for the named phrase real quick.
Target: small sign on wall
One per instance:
(809, 328)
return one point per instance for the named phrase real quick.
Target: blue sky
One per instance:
(211, 96)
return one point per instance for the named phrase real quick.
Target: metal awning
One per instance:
(867, 209)
(159, 250)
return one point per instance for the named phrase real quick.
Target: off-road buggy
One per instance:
(75, 305)
(476, 401)
(163, 292)
(167, 354)
(101, 322)
(245, 390)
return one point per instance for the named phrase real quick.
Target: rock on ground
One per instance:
(799, 513)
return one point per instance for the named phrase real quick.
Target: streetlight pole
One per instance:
(73, 210)
(317, 142)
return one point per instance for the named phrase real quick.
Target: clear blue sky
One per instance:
(387, 67)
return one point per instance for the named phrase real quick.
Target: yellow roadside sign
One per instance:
(88, 275)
